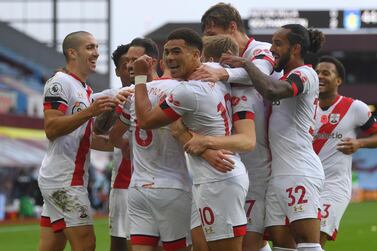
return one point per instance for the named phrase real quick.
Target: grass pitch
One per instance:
(358, 231)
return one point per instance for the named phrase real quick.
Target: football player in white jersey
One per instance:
(293, 193)
(122, 169)
(338, 121)
(160, 189)
(63, 176)
(204, 109)
(225, 19)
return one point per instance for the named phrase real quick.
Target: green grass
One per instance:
(358, 231)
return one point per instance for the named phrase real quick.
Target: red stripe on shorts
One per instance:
(45, 221)
(58, 225)
(174, 245)
(144, 240)
(239, 230)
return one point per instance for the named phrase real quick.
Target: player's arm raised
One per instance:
(57, 124)
(267, 86)
(147, 116)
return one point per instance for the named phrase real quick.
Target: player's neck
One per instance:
(242, 39)
(327, 99)
(293, 64)
(75, 71)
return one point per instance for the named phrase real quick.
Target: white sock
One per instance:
(309, 247)
(282, 249)
(266, 247)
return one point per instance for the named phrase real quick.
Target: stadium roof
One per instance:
(36, 56)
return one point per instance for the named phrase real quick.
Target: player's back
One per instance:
(158, 158)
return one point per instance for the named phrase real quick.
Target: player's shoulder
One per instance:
(57, 85)
(162, 82)
(356, 103)
(260, 44)
(306, 73)
(256, 47)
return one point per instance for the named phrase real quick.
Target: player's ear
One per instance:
(296, 49)
(338, 81)
(72, 53)
(197, 53)
(233, 26)
(117, 73)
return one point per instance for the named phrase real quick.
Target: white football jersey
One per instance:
(343, 119)
(205, 109)
(259, 53)
(291, 124)
(248, 103)
(122, 169)
(158, 158)
(67, 159)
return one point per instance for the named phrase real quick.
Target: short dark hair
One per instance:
(221, 15)
(215, 46)
(150, 46)
(119, 52)
(191, 37)
(338, 65)
(72, 41)
(311, 40)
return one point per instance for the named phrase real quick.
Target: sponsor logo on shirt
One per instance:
(334, 135)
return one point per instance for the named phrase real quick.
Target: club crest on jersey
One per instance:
(78, 107)
(55, 89)
(334, 118)
(324, 119)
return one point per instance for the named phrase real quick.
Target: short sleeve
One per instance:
(56, 95)
(125, 115)
(181, 100)
(242, 103)
(299, 81)
(364, 118)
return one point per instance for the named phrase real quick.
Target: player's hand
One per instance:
(348, 146)
(219, 159)
(233, 61)
(209, 74)
(143, 65)
(123, 95)
(101, 105)
(196, 145)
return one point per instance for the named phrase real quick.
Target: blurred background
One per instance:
(31, 33)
